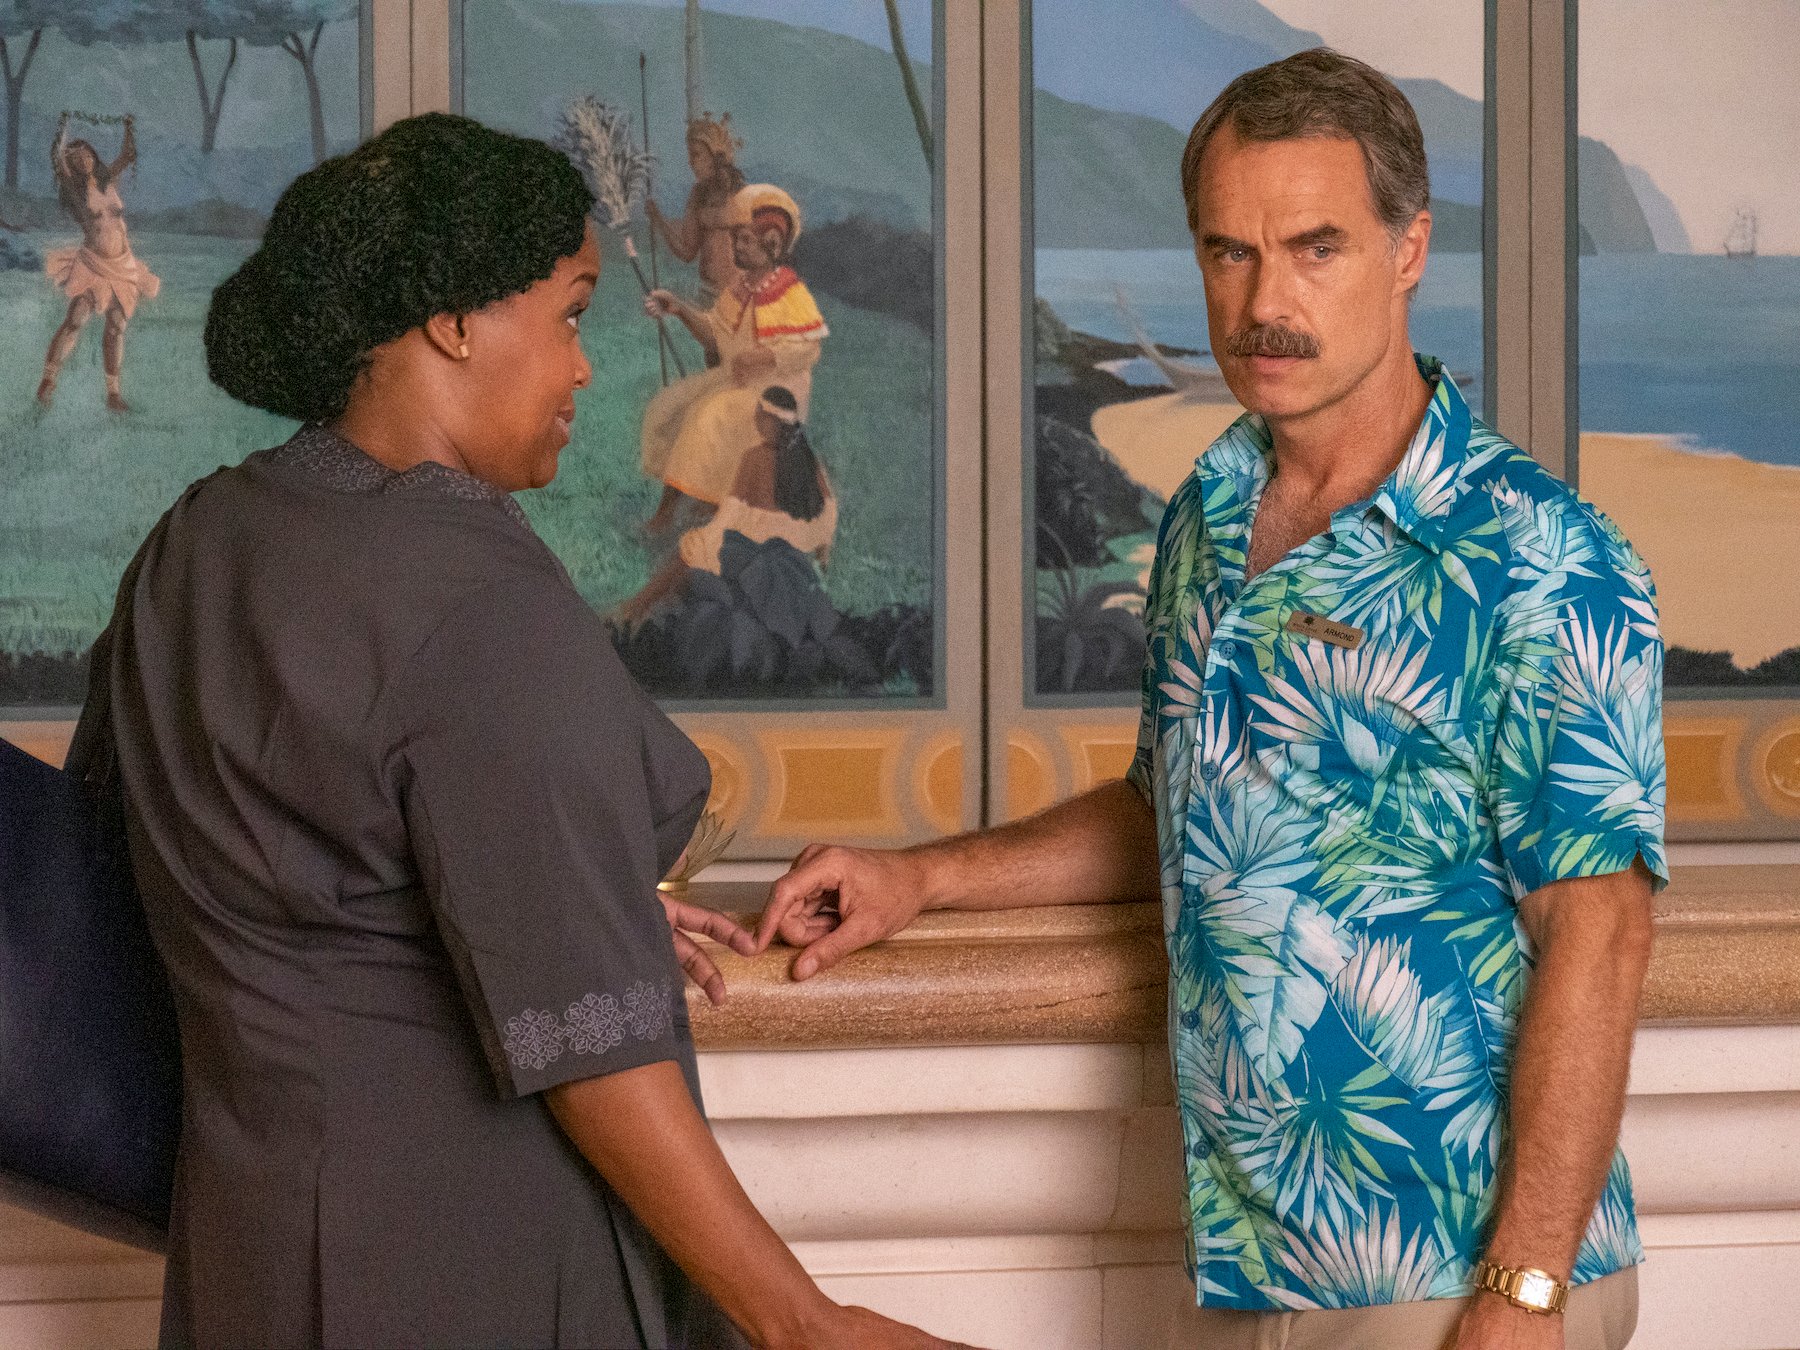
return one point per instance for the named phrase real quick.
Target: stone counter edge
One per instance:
(1727, 953)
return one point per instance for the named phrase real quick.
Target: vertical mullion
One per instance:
(961, 337)
(389, 34)
(1570, 104)
(1508, 218)
(1553, 211)
(1005, 107)
(431, 55)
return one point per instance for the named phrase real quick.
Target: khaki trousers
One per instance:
(1600, 1316)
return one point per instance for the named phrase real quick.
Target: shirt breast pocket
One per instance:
(1359, 730)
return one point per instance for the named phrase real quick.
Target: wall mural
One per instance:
(145, 144)
(1124, 394)
(751, 498)
(751, 494)
(1690, 323)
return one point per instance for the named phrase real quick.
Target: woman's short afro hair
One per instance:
(436, 215)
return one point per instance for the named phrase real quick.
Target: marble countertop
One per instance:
(1727, 953)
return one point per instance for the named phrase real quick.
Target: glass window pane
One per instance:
(226, 104)
(1111, 432)
(674, 508)
(1690, 320)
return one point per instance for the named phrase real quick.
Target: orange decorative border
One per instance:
(1775, 766)
(1704, 755)
(859, 766)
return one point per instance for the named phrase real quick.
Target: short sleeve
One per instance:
(1142, 772)
(1576, 778)
(540, 787)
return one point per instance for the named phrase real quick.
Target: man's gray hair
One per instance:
(1323, 93)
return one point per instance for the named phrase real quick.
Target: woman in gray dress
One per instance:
(398, 814)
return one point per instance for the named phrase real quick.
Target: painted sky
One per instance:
(1702, 93)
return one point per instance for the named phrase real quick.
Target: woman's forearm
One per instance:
(641, 1131)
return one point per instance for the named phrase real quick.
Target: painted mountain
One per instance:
(1109, 121)
(1163, 61)
(1111, 117)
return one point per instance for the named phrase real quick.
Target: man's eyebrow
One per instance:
(588, 275)
(1322, 234)
(1218, 241)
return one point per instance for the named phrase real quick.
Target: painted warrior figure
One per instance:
(703, 231)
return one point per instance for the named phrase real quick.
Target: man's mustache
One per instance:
(1271, 339)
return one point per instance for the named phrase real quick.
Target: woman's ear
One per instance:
(449, 333)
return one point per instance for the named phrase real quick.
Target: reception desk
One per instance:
(971, 1126)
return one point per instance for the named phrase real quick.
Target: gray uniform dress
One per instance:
(397, 814)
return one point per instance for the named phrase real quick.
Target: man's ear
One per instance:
(449, 333)
(1411, 251)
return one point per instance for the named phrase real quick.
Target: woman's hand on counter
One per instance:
(685, 918)
(834, 901)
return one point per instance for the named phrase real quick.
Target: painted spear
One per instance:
(597, 137)
(662, 334)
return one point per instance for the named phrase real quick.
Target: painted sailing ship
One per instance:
(1740, 240)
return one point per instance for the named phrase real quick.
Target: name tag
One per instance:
(1325, 630)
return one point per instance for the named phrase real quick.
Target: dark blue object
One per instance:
(90, 1060)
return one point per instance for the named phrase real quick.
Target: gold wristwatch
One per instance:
(1524, 1287)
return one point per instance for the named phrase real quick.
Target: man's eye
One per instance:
(1321, 252)
(1236, 254)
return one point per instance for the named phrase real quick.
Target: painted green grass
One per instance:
(79, 486)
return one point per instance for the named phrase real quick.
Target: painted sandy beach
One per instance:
(1678, 504)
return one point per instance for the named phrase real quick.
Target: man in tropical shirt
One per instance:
(1399, 786)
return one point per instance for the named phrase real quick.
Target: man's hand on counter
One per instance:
(1094, 848)
(834, 901)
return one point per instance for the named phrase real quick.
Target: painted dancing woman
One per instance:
(100, 275)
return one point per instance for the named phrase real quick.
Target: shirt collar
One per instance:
(1417, 497)
(1424, 487)
(343, 466)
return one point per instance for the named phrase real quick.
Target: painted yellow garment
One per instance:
(784, 308)
(697, 430)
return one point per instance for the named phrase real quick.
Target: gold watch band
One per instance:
(1524, 1287)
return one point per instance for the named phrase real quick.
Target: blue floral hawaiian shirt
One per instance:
(1360, 762)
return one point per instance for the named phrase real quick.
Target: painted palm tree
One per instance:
(691, 51)
(921, 118)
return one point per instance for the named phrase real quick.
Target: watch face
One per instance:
(1535, 1289)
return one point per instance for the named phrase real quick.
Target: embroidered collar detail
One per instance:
(342, 466)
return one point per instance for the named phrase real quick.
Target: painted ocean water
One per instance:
(1698, 347)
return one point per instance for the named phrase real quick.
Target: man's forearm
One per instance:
(1570, 1070)
(1100, 846)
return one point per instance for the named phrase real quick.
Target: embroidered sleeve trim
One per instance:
(536, 1038)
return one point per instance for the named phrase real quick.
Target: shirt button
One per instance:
(1225, 649)
(1209, 772)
